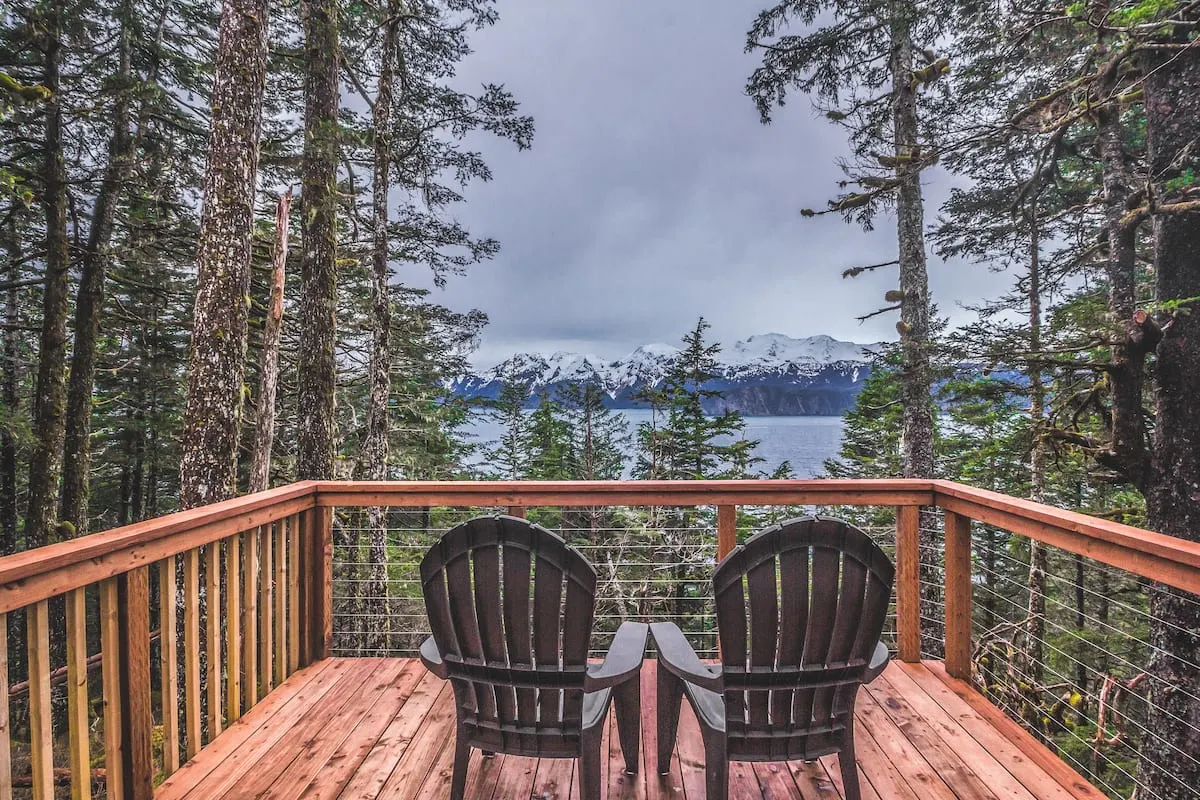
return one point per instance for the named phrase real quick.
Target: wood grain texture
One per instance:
(37, 623)
(250, 600)
(726, 530)
(266, 607)
(52, 571)
(86, 548)
(1167, 559)
(78, 740)
(529, 494)
(356, 728)
(278, 711)
(169, 663)
(137, 716)
(279, 615)
(212, 635)
(191, 650)
(293, 593)
(30, 576)
(908, 582)
(1054, 766)
(233, 628)
(958, 595)
(114, 686)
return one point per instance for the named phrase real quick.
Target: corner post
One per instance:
(908, 583)
(316, 584)
(958, 595)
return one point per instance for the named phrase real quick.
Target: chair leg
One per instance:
(589, 763)
(628, 699)
(669, 697)
(849, 764)
(716, 766)
(462, 757)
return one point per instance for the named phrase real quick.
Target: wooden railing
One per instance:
(252, 581)
(267, 554)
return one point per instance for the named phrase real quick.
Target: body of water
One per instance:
(805, 442)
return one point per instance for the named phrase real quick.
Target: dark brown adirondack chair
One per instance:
(815, 593)
(519, 670)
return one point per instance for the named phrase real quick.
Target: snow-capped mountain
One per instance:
(768, 374)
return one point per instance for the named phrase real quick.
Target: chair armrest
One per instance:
(432, 658)
(623, 660)
(879, 662)
(678, 657)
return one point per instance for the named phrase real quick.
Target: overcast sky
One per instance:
(653, 195)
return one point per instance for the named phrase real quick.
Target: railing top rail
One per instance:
(632, 493)
(226, 514)
(99, 555)
(1151, 555)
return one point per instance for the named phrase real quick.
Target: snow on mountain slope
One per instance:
(776, 354)
(765, 374)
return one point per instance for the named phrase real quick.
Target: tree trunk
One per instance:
(89, 305)
(217, 360)
(1126, 373)
(268, 385)
(12, 399)
(318, 262)
(1173, 499)
(1036, 582)
(50, 399)
(917, 436)
(375, 447)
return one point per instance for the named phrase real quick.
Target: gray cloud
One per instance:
(653, 195)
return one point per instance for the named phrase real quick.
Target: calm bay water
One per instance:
(805, 442)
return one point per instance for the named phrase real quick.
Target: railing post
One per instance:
(316, 584)
(908, 583)
(958, 595)
(125, 618)
(726, 530)
(516, 511)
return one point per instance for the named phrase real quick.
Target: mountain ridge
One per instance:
(767, 374)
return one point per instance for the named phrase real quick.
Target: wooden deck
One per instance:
(384, 728)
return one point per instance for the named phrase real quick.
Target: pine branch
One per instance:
(866, 317)
(854, 272)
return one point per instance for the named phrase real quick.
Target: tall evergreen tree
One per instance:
(865, 64)
(89, 303)
(1172, 72)
(49, 400)
(508, 458)
(690, 444)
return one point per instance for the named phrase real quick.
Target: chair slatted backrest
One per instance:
(800, 608)
(510, 606)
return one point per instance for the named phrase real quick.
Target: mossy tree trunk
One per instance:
(1173, 497)
(89, 304)
(268, 384)
(318, 260)
(375, 445)
(917, 438)
(49, 400)
(217, 359)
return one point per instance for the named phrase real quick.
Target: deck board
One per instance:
(377, 728)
